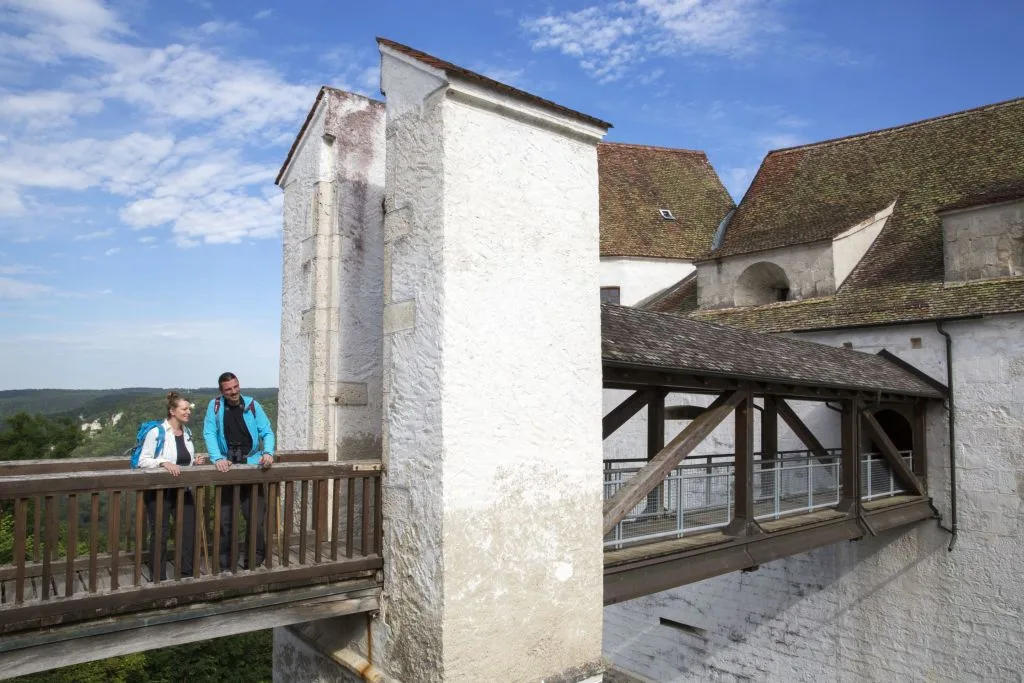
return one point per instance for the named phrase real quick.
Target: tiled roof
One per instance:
(662, 341)
(817, 191)
(636, 181)
(885, 304)
(682, 296)
(450, 68)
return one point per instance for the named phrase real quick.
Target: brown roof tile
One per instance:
(450, 68)
(636, 181)
(645, 339)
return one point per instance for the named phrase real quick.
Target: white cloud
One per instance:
(262, 14)
(610, 40)
(97, 235)
(21, 269)
(111, 251)
(11, 289)
(197, 120)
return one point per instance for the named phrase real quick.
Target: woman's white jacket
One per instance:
(149, 458)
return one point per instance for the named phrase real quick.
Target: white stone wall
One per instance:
(330, 393)
(984, 242)
(492, 319)
(808, 268)
(892, 608)
(640, 278)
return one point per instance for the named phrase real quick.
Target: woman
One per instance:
(176, 451)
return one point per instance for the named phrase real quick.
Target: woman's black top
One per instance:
(183, 455)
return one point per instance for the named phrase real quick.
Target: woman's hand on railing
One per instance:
(172, 468)
(202, 459)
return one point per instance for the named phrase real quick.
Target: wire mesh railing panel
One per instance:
(877, 478)
(792, 485)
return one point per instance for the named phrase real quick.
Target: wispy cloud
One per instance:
(611, 39)
(112, 251)
(262, 14)
(19, 290)
(97, 235)
(196, 122)
(21, 269)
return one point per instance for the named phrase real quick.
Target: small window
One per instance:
(667, 214)
(783, 294)
(915, 342)
(847, 345)
(609, 295)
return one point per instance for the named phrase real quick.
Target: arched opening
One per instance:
(896, 427)
(761, 283)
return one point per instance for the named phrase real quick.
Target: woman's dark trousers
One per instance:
(170, 512)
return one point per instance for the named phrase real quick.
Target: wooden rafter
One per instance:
(890, 453)
(621, 413)
(637, 488)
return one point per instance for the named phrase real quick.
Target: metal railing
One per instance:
(697, 495)
(80, 544)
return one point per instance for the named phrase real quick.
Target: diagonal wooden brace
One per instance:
(794, 422)
(890, 453)
(654, 472)
(621, 413)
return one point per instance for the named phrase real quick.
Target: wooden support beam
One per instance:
(684, 412)
(655, 438)
(805, 435)
(849, 470)
(769, 441)
(890, 453)
(621, 413)
(654, 472)
(743, 523)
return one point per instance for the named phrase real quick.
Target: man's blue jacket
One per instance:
(255, 419)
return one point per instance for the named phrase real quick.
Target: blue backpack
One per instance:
(140, 437)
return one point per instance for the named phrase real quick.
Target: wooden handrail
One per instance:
(22, 486)
(118, 462)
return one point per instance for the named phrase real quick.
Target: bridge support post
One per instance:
(769, 442)
(655, 440)
(849, 468)
(492, 495)
(743, 523)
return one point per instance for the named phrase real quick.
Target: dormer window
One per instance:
(666, 214)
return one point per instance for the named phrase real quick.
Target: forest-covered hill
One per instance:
(118, 412)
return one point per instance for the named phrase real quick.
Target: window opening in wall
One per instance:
(685, 628)
(847, 345)
(782, 293)
(915, 342)
(761, 283)
(896, 427)
(667, 214)
(609, 295)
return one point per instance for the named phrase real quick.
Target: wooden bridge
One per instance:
(75, 586)
(674, 517)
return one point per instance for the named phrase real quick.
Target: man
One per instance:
(237, 432)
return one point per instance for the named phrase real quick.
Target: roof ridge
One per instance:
(659, 148)
(900, 127)
(446, 66)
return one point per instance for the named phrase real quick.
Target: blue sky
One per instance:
(139, 140)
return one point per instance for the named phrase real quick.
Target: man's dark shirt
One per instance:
(235, 432)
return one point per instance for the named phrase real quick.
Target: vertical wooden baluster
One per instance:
(269, 524)
(69, 573)
(197, 533)
(215, 548)
(315, 493)
(179, 532)
(286, 529)
(50, 532)
(37, 520)
(114, 538)
(20, 532)
(94, 540)
(335, 512)
(350, 521)
(158, 534)
(236, 508)
(378, 515)
(139, 514)
(365, 542)
(303, 521)
(318, 536)
(254, 491)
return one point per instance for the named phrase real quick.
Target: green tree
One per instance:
(27, 437)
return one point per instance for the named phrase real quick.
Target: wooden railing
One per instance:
(75, 544)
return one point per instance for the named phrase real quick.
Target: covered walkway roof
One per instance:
(692, 354)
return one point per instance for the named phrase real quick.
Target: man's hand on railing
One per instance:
(266, 461)
(172, 468)
(223, 465)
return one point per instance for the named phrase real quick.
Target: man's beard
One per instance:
(234, 402)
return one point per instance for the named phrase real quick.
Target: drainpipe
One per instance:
(954, 527)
